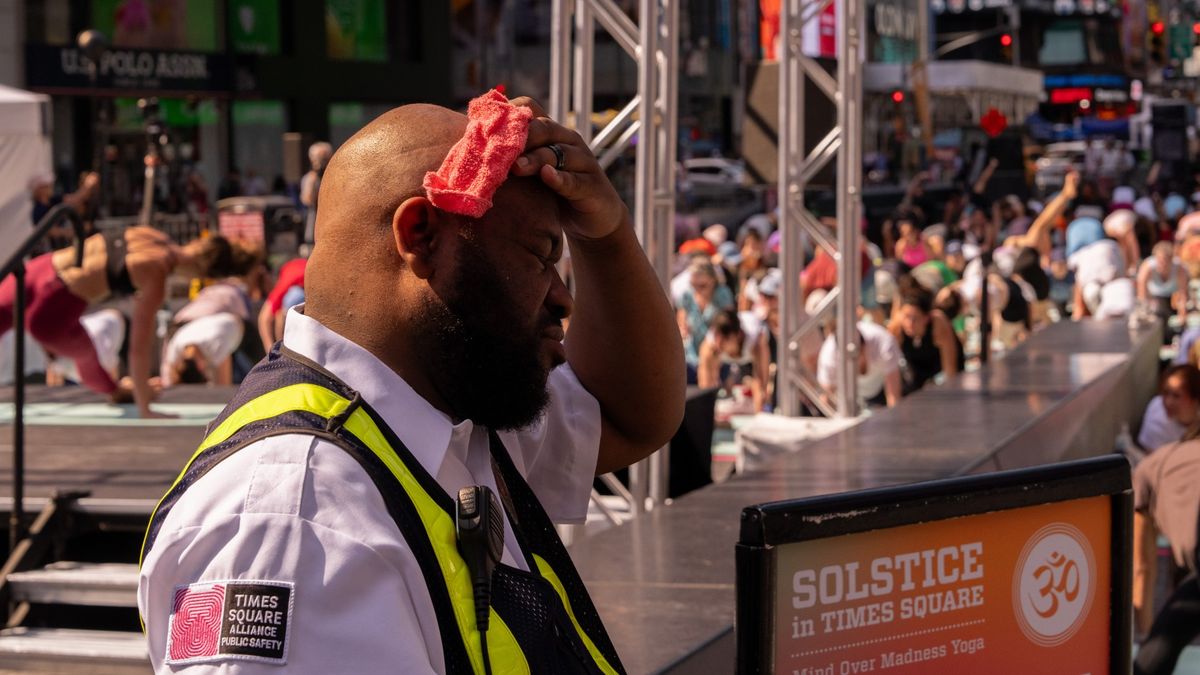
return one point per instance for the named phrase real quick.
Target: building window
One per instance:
(258, 128)
(356, 30)
(48, 22)
(1063, 44)
(189, 25)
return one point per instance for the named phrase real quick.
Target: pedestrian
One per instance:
(310, 185)
(41, 191)
(1166, 498)
(428, 357)
(287, 292)
(1173, 410)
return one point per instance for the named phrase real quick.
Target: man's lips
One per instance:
(555, 333)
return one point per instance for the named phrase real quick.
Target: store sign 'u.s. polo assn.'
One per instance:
(57, 67)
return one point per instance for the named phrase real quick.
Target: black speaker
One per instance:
(1170, 143)
(1169, 115)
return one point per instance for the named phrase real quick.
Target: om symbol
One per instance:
(1058, 578)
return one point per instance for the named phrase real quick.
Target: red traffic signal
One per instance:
(897, 96)
(1157, 28)
(1196, 28)
(1006, 40)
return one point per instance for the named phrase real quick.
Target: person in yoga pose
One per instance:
(133, 263)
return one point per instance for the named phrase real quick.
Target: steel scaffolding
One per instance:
(796, 170)
(650, 117)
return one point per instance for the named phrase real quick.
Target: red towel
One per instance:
(478, 163)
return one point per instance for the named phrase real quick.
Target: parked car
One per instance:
(715, 171)
(708, 181)
(1060, 158)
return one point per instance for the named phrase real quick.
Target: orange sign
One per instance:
(1024, 590)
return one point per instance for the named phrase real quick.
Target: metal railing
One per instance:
(181, 227)
(15, 265)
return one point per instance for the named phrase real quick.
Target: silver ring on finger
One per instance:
(560, 158)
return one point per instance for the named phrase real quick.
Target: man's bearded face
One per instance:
(488, 349)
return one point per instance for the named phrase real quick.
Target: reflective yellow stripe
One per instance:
(548, 574)
(506, 654)
(307, 397)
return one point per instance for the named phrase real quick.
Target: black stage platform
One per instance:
(664, 582)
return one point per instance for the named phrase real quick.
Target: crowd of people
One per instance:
(1093, 250)
(1097, 249)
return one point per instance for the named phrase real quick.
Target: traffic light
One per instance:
(1006, 43)
(1158, 45)
(897, 97)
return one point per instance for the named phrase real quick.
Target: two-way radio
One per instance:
(479, 524)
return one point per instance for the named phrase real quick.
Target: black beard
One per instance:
(490, 369)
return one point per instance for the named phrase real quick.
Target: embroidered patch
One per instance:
(220, 620)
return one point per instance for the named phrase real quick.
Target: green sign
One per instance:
(254, 26)
(265, 113)
(1180, 41)
(175, 113)
(158, 24)
(356, 30)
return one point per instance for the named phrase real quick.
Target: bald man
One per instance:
(314, 531)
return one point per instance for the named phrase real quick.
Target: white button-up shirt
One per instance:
(298, 510)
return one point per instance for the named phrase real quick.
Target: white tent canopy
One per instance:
(24, 154)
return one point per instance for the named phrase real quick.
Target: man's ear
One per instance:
(417, 229)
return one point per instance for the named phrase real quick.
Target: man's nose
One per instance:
(558, 300)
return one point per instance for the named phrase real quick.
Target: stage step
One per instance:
(73, 583)
(60, 650)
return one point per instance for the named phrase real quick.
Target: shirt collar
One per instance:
(425, 430)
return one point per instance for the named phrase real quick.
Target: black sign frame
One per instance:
(766, 526)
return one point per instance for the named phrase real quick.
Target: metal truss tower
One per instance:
(796, 170)
(650, 117)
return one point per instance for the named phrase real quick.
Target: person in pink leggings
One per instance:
(134, 263)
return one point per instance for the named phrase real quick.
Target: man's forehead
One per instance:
(528, 206)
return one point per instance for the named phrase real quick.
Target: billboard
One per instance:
(818, 35)
(356, 30)
(966, 576)
(189, 25)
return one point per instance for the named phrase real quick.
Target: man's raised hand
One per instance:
(595, 210)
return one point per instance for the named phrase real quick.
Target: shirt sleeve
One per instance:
(826, 368)
(351, 607)
(889, 352)
(559, 453)
(291, 274)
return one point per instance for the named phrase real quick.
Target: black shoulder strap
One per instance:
(539, 535)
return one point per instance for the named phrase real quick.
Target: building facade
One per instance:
(231, 78)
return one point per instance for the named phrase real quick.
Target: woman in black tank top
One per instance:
(927, 340)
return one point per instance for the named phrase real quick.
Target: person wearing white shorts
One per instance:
(201, 351)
